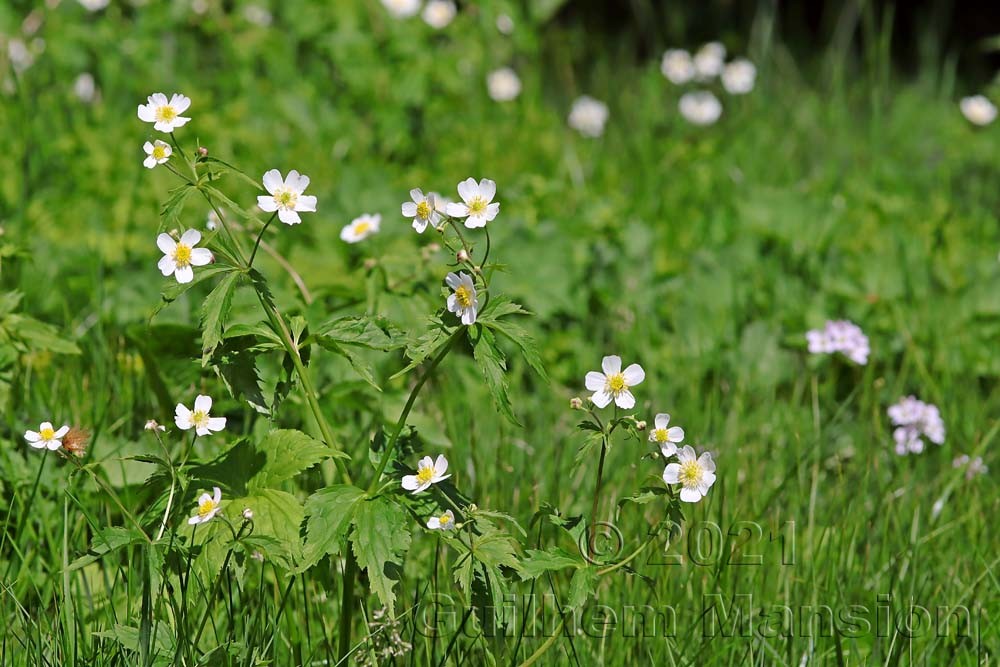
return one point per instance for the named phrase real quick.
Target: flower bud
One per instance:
(248, 514)
(370, 263)
(152, 425)
(202, 151)
(576, 403)
(462, 256)
(640, 425)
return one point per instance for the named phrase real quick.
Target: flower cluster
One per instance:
(840, 336)
(588, 116)
(702, 107)
(973, 466)
(915, 420)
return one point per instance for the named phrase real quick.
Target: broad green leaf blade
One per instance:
(329, 513)
(380, 538)
(552, 559)
(494, 368)
(215, 311)
(287, 452)
(170, 213)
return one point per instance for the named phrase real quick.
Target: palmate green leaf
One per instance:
(170, 213)
(360, 366)
(581, 586)
(329, 514)
(380, 538)
(107, 541)
(552, 559)
(288, 452)
(423, 346)
(375, 333)
(494, 368)
(235, 359)
(524, 341)
(215, 311)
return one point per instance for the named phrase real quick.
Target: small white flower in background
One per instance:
(444, 522)
(180, 256)
(978, 110)
(429, 472)
(739, 76)
(94, 5)
(257, 15)
(614, 383)
(700, 107)
(423, 210)
(199, 419)
(285, 196)
(46, 437)
(696, 475)
(208, 507)
(463, 301)
(840, 336)
(972, 466)
(709, 60)
(85, 88)
(361, 228)
(664, 435)
(677, 66)
(505, 24)
(212, 221)
(915, 420)
(20, 56)
(503, 84)
(153, 425)
(477, 206)
(248, 514)
(165, 115)
(157, 152)
(588, 116)
(402, 9)
(439, 13)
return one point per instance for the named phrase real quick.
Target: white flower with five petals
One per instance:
(463, 301)
(423, 210)
(199, 419)
(477, 205)
(164, 114)
(180, 256)
(429, 472)
(614, 383)
(46, 437)
(286, 196)
(696, 475)
(664, 435)
(157, 152)
(361, 228)
(208, 507)
(445, 521)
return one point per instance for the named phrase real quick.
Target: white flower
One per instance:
(478, 206)
(152, 425)
(286, 196)
(94, 5)
(257, 15)
(666, 438)
(613, 383)
(444, 522)
(439, 13)
(423, 210)
(739, 76)
(677, 66)
(709, 59)
(428, 472)
(505, 24)
(248, 514)
(840, 336)
(180, 256)
(46, 437)
(402, 9)
(361, 227)
(503, 84)
(978, 110)
(208, 507)
(198, 419)
(915, 420)
(588, 116)
(695, 475)
(157, 152)
(972, 466)
(440, 202)
(212, 221)
(700, 107)
(165, 115)
(85, 88)
(463, 302)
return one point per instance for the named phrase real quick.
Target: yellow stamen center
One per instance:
(661, 435)
(423, 210)
(362, 227)
(691, 473)
(444, 520)
(286, 198)
(199, 418)
(182, 254)
(206, 507)
(47, 434)
(160, 152)
(425, 475)
(166, 113)
(616, 383)
(463, 295)
(477, 206)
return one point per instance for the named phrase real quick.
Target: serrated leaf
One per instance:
(235, 359)
(221, 167)
(360, 366)
(494, 368)
(552, 559)
(288, 452)
(36, 335)
(173, 289)
(170, 213)
(215, 311)
(524, 341)
(329, 514)
(372, 332)
(424, 345)
(581, 586)
(380, 538)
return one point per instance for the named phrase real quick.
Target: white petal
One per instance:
(266, 203)
(181, 121)
(191, 237)
(299, 182)
(166, 244)
(45, 426)
(184, 274)
(149, 162)
(468, 189)
(661, 420)
(457, 210)
(272, 181)
(487, 189)
(634, 375)
(453, 280)
(475, 221)
(625, 400)
(39, 444)
(409, 209)
(671, 474)
(218, 495)
(675, 434)
(686, 453)
(668, 449)
(194, 520)
(441, 464)
(434, 523)
(167, 265)
(62, 431)
(690, 495)
(180, 103)
(148, 147)
(146, 113)
(601, 398)
(201, 256)
(410, 482)
(203, 404)
(419, 225)
(707, 463)
(492, 210)
(32, 436)
(216, 423)
(595, 381)
(417, 195)
(611, 365)
(469, 316)
(289, 217)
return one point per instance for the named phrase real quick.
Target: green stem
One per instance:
(24, 511)
(259, 237)
(401, 422)
(533, 658)
(597, 494)
(215, 588)
(347, 607)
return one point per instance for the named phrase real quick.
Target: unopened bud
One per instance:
(152, 425)
(462, 256)
(370, 263)
(248, 514)
(640, 425)
(202, 151)
(576, 403)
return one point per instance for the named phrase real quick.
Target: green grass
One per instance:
(837, 189)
